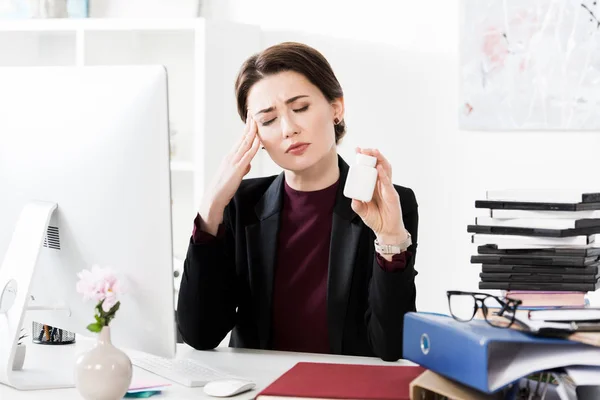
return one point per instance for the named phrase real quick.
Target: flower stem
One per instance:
(103, 318)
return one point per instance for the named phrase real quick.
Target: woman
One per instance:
(287, 262)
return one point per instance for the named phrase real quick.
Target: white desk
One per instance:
(261, 366)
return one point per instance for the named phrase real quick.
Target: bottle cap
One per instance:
(364, 159)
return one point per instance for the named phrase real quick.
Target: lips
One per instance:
(297, 148)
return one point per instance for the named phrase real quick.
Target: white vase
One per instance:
(19, 358)
(104, 372)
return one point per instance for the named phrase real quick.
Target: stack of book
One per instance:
(540, 246)
(497, 362)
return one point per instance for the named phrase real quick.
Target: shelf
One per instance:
(191, 49)
(101, 24)
(182, 166)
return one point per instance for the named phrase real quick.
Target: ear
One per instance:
(337, 106)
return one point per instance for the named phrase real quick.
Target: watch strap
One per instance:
(384, 248)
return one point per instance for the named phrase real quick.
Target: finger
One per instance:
(359, 207)
(248, 120)
(384, 161)
(249, 155)
(246, 143)
(372, 153)
(384, 178)
(380, 158)
(377, 154)
(247, 124)
(369, 152)
(238, 143)
(386, 187)
(256, 145)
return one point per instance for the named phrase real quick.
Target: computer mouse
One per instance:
(227, 387)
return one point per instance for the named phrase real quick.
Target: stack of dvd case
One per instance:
(538, 240)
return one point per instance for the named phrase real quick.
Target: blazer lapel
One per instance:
(261, 240)
(345, 234)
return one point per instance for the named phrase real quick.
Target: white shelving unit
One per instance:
(202, 58)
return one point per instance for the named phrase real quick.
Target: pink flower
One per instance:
(99, 284)
(111, 293)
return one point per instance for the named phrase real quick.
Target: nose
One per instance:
(288, 126)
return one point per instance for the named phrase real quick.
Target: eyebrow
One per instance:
(288, 101)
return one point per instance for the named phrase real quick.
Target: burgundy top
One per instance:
(300, 282)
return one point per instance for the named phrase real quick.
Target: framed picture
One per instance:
(530, 65)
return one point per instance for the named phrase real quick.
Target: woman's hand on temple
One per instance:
(232, 170)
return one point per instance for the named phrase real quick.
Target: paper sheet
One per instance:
(584, 375)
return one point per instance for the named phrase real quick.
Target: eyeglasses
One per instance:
(497, 312)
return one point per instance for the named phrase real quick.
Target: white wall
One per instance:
(424, 25)
(401, 90)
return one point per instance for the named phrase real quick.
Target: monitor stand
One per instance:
(16, 273)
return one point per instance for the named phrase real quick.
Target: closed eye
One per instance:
(301, 109)
(267, 123)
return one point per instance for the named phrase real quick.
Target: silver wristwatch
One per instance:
(393, 248)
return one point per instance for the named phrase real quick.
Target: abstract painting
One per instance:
(530, 65)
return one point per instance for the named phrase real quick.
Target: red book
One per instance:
(343, 381)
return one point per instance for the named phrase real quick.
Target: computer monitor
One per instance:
(84, 155)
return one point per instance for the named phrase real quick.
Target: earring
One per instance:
(336, 121)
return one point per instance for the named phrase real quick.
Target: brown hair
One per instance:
(289, 56)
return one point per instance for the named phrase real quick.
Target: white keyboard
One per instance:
(185, 372)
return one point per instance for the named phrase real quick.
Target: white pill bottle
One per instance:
(361, 179)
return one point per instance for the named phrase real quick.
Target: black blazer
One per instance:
(228, 283)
